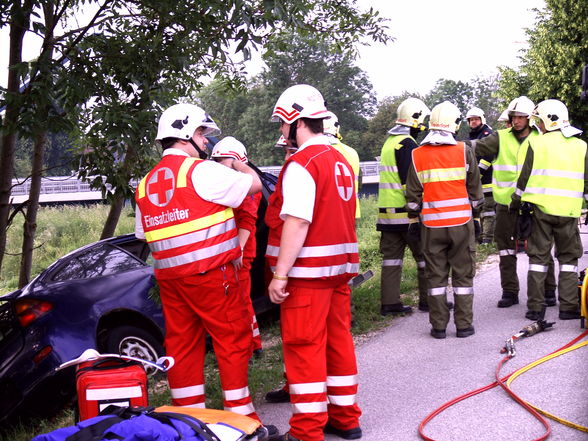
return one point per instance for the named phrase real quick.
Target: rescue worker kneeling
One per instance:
(443, 187)
(184, 213)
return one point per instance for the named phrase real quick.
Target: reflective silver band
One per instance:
(246, 409)
(196, 255)
(447, 215)
(538, 268)
(236, 394)
(392, 262)
(318, 251)
(569, 268)
(342, 400)
(308, 388)
(502, 253)
(186, 392)
(446, 203)
(197, 236)
(437, 291)
(341, 380)
(316, 407)
(463, 290)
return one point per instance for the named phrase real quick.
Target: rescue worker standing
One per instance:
(312, 249)
(554, 179)
(224, 152)
(396, 158)
(184, 213)
(478, 130)
(509, 147)
(443, 187)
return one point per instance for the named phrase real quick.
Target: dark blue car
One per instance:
(100, 296)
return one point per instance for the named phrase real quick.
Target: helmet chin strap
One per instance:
(201, 153)
(292, 134)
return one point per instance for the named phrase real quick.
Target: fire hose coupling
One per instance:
(527, 331)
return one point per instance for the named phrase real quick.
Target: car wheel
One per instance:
(135, 342)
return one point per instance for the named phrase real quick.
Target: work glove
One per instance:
(477, 228)
(525, 221)
(414, 231)
(515, 205)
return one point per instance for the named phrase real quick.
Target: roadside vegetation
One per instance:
(64, 229)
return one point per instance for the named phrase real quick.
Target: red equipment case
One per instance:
(110, 381)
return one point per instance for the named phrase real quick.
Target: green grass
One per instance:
(65, 229)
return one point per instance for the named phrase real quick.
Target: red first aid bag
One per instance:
(110, 381)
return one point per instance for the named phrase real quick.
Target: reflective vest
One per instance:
(351, 155)
(507, 165)
(329, 255)
(556, 184)
(442, 171)
(391, 200)
(187, 235)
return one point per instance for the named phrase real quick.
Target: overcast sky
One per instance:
(452, 39)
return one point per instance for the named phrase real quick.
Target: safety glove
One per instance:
(477, 228)
(414, 230)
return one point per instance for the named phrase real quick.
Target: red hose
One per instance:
(490, 386)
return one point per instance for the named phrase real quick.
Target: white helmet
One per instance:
(281, 142)
(181, 121)
(299, 101)
(412, 112)
(476, 111)
(445, 116)
(521, 106)
(553, 113)
(331, 125)
(229, 147)
(503, 116)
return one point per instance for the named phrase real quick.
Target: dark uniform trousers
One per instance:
(450, 249)
(392, 247)
(504, 235)
(568, 249)
(488, 217)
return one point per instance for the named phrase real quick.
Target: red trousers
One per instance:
(245, 283)
(320, 360)
(207, 303)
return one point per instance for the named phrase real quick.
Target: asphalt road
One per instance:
(405, 375)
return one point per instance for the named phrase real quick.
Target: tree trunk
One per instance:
(19, 23)
(30, 223)
(113, 216)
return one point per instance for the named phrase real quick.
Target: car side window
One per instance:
(103, 260)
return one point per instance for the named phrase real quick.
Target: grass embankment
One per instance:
(62, 230)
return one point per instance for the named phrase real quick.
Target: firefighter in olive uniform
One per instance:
(478, 130)
(392, 222)
(554, 179)
(185, 213)
(443, 188)
(509, 147)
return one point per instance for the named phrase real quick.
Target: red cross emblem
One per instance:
(344, 181)
(160, 187)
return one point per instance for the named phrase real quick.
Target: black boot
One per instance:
(508, 299)
(395, 309)
(550, 299)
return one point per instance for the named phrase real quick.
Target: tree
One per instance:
(111, 75)
(552, 64)
(293, 58)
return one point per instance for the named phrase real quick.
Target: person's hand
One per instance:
(477, 228)
(414, 231)
(238, 262)
(515, 205)
(277, 291)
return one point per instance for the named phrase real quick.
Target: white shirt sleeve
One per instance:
(139, 232)
(299, 192)
(219, 184)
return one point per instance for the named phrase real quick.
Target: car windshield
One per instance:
(102, 260)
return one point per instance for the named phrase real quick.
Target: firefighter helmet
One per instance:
(503, 116)
(553, 113)
(229, 147)
(181, 121)
(299, 101)
(476, 111)
(412, 112)
(521, 106)
(445, 116)
(331, 125)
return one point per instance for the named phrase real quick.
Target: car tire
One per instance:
(135, 342)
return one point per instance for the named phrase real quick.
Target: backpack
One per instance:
(146, 424)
